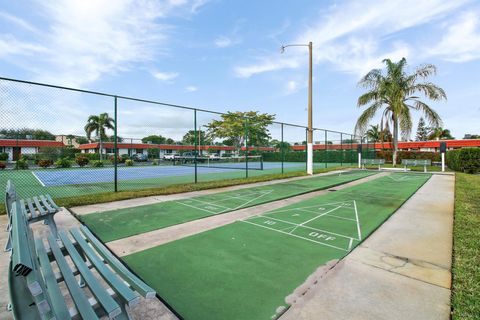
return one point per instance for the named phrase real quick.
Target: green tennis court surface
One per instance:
(246, 269)
(117, 224)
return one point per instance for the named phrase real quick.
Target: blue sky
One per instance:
(224, 55)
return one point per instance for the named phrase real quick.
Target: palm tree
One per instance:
(440, 134)
(373, 134)
(395, 92)
(99, 124)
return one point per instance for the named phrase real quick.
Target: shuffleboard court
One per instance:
(117, 224)
(245, 270)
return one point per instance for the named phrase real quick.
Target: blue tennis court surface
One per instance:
(52, 177)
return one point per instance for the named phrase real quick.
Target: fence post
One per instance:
(115, 150)
(326, 149)
(196, 142)
(246, 147)
(283, 148)
(341, 148)
(306, 149)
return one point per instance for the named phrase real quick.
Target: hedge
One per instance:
(337, 156)
(387, 155)
(90, 156)
(464, 160)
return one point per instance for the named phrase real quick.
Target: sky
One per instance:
(224, 56)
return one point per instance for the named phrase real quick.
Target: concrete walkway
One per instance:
(402, 271)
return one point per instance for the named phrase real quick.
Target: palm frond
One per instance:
(431, 115)
(365, 117)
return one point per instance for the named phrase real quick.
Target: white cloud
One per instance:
(354, 35)
(223, 42)
(191, 88)
(9, 45)
(461, 41)
(17, 21)
(291, 87)
(165, 76)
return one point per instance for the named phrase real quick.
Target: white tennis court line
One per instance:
(294, 235)
(43, 185)
(296, 224)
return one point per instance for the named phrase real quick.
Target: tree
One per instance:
(155, 139)
(233, 125)
(440, 134)
(422, 131)
(373, 134)
(35, 134)
(395, 92)
(282, 146)
(170, 141)
(81, 140)
(99, 124)
(471, 136)
(202, 138)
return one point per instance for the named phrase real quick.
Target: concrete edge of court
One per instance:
(402, 271)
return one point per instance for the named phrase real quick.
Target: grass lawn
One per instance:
(245, 270)
(466, 248)
(117, 224)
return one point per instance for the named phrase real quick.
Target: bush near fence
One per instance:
(464, 160)
(421, 155)
(337, 156)
(90, 156)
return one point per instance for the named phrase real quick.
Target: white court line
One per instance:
(295, 224)
(343, 218)
(358, 221)
(318, 216)
(314, 206)
(238, 207)
(43, 185)
(294, 235)
(206, 210)
(350, 244)
(209, 203)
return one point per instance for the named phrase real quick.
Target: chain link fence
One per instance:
(68, 142)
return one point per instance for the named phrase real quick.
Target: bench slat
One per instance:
(52, 203)
(39, 206)
(107, 302)
(21, 258)
(117, 284)
(81, 302)
(55, 294)
(132, 279)
(33, 212)
(45, 203)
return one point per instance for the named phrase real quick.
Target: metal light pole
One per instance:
(310, 112)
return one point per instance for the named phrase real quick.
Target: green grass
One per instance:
(244, 271)
(466, 252)
(121, 223)
(82, 194)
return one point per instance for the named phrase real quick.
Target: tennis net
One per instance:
(240, 162)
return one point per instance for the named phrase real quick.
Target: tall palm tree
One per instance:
(440, 134)
(396, 92)
(99, 124)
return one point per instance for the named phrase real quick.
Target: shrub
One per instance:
(2, 165)
(97, 164)
(3, 156)
(112, 159)
(82, 161)
(45, 163)
(90, 156)
(21, 164)
(464, 160)
(129, 163)
(63, 163)
(155, 163)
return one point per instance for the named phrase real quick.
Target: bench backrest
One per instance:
(10, 196)
(373, 161)
(416, 162)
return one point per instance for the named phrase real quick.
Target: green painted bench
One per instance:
(38, 208)
(73, 277)
(416, 163)
(373, 162)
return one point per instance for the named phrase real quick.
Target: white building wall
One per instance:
(28, 150)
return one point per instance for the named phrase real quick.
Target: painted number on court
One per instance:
(322, 236)
(270, 222)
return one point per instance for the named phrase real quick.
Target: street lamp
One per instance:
(310, 129)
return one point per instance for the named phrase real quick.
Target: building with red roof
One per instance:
(16, 148)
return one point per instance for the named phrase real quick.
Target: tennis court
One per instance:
(117, 224)
(245, 270)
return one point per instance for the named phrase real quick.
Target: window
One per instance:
(139, 150)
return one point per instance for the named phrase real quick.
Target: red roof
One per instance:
(123, 145)
(30, 143)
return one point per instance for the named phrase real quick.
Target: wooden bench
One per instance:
(373, 162)
(416, 163)
(73, 277)
(38, 208)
